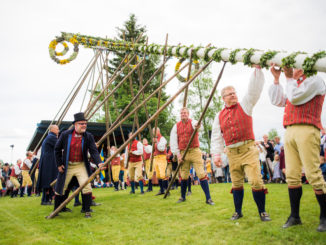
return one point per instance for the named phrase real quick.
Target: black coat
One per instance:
(62, 157)
(48, 170)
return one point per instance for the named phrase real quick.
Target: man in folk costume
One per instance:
(160, 161)
(179, 139)
(71, 154)
(15, 172)
(115, 167)
(48, 171)
(27, 181)
(234, 125)
(303, 101)
(147, 159)
(133, 159)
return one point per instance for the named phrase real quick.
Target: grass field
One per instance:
(147, 219)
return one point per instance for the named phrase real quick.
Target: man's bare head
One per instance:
(54, 129)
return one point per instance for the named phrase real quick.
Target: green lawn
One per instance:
(147, 219)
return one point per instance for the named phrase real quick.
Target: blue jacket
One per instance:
(62, 149)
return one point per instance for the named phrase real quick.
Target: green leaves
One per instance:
(232, 56)
(247, 57)
(309, 63)
(266, 57)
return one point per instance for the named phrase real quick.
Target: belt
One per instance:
(241, 149)
(74, 163)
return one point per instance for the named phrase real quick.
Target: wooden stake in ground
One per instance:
(55, 212)
(195, 131)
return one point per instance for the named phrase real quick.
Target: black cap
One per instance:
(79, 117)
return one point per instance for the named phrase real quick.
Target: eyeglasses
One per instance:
(82, 124)
(230, 94)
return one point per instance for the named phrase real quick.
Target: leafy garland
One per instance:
(121, 46)
(232, 56)
(309, 63)
(177, 67)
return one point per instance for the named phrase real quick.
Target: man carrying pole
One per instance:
(179, 138)
(71, 157)
(234, 125)
(133, 161)
(27, 181)
(115, 165)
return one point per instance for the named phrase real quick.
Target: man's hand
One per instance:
(179, 158)
(218, 161)
(288, 72)
(61, 169)
(276, 73)
(100, 165)
(155, 139)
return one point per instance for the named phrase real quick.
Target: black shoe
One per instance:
(189, 193)
(291, 222)
(264, 216)
(65, 209)
(322, 225)
(159, 193)
(181, 199)
(95, 204)
(131, 192)
(210, 202)
(83, 211)
(77, 204)
(116, 189)
(148, 190)
(142, 193)
(88, 215)
(236, 216)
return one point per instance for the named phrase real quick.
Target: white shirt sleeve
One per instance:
(174, 140)
(17, 169)
(194, 123)
(93, 165)
(307, 90)
(126, 156)
(255, 88)
(276, 95)
(28, 163)
(217, 142)
(140, 149)
(161, 145)
(148, 149)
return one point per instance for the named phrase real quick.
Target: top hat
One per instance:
(79, 117)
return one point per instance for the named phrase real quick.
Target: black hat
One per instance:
(79, 117)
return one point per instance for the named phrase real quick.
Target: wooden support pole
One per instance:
(195, 131)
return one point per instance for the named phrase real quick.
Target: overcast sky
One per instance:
(33, 87)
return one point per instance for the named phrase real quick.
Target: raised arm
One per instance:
(174, 141)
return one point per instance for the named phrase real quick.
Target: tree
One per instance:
(130, 32)
(272, 133)
(198, 94)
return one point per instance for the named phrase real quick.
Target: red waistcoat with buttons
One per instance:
(13, 173)
(115, 161)
(132, 157)
(308, 113)
(184, 132)
(236, 125)
(156, 151)
(146, 155)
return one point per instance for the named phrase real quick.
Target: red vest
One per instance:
(236, 125)
(132, 157)
(115, 161)
(184, 132)
(146, 155)
(156, 151)
(13, 173)
(308, 113)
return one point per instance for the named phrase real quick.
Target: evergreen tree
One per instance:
(131, 32)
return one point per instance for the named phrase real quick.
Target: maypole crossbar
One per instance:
(310, 63)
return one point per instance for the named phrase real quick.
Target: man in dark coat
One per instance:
(48, 170)
(71, 154)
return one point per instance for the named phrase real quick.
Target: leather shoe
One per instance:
(131, 192)
(159, 193)
(142, 193)
(77, 204)
(236, 216)
(88, 215)
(291, 222)
(322, 225)
(148, 190)
(83, 211)
(181, 199)
(265, 216)
(210, 202)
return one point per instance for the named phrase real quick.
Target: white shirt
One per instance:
(174, 138)
(17, 169)
(255, 88)
(297, 95)
(161, 145)
(138, 152)
(148, 149)
(28, 163)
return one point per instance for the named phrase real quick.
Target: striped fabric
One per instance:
(76, 154)
(115, 161)
(236, 125)
(184, 132)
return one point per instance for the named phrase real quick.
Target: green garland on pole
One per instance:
(247, 56)
(309, 62)
(266, 57)
(232, 56)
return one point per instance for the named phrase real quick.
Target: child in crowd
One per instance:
(276, 169)
(98, 183)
